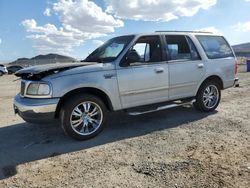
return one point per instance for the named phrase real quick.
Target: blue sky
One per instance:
(76, 27)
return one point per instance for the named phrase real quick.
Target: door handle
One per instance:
(200, 65)
(159, 70)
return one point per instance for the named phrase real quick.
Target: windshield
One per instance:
(110, 50)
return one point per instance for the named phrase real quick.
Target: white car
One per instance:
(3, 70)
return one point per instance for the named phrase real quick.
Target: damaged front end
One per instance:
(36, 73)
(35, 102)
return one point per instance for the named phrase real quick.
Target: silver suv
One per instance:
(138, 73)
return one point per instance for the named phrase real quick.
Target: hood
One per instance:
(40, 71)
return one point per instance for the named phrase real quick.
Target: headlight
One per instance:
(38, 89)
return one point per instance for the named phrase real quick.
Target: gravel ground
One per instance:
(173, 148)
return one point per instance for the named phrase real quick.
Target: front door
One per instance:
(146, 80)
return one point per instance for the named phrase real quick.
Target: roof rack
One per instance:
(185, 31)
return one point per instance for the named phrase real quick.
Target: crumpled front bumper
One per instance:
(35, 110)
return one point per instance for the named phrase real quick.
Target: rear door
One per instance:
(186, 68)
(146, 81)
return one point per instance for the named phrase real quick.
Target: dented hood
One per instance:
(40, 71)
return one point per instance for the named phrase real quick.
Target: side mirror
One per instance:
(132, 57)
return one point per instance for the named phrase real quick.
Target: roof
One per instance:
(177, 33)
(188, 32)
(183, 32)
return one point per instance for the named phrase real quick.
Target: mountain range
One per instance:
(242, 50)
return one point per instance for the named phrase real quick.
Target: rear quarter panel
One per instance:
(223, 68)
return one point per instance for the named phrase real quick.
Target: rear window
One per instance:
(215, 47)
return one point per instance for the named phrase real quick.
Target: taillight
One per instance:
(236, 67)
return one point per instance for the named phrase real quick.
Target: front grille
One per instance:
(22, 88)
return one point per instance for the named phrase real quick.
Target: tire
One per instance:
(83, 116)
(1, 73)
(208, 96)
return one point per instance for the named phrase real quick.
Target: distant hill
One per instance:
(242, 50)
(43, 59)
(53, 56)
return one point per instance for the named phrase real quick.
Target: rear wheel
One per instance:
(208, 97)
(1, 73)
(83, 116)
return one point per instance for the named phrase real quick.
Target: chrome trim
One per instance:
(161, 108)
(35, 110)
(86, 118)
(144, 91)
(109, 76)
(186, 84)
(210, 96)
(158, 89)
(22, 88)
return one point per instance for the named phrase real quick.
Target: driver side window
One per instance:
(148, 49)
(142, 49)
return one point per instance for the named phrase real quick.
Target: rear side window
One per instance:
(215, 47)
(181, 47)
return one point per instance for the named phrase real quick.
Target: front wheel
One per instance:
(208, 97)
(83, 116)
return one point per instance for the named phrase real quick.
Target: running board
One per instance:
(161, 108)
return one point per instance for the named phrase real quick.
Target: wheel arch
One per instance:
(212, 78)
(86, 90)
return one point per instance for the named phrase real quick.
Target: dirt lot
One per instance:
(173, 148)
